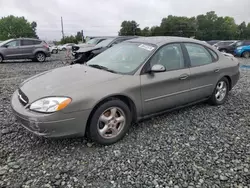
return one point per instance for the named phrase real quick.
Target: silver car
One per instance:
(131, 81)
(24, 48)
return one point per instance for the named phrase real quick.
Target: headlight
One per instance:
(50, 104)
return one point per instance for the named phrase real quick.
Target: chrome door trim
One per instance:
(164, 96)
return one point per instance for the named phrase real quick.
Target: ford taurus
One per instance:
(128, 82)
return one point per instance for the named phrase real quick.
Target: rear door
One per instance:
(12, 50)
(204, 70)
(28, 47)
(167, 89)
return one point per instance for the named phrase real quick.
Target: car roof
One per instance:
(27, 39)
(159, 41)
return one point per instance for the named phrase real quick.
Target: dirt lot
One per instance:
(199, 146)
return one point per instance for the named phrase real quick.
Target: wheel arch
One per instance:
(229, 81)
(126, 99)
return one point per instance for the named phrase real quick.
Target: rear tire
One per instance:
(246, 54)
(223, 51)
(110, 122)
(220, 93)
(40, 57)
(54, 51)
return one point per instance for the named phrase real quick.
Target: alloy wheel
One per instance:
(111, 122)
(40, 57)
(221, 91)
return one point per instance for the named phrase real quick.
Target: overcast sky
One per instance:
(104, 17)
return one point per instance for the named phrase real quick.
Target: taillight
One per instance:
(46, 45)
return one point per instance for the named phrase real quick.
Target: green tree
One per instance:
(78, 36)
(129, 28)
(69, 39)
(15, 27)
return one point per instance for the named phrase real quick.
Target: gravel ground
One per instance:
(199, 146)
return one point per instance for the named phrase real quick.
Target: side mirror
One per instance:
(158, 68)
(5, 46)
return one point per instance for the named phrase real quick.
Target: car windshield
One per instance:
(123, 58)
(105, 43)
(4, 42)
(93, 41)
(239, 43)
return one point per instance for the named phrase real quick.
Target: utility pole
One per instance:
(62, 27)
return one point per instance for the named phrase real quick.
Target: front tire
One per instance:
(110, 122)
(54, 51)
(220, 93)
(246, 55)
(40, 57)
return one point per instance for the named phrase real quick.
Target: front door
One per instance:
(12, 50)
(167, 89)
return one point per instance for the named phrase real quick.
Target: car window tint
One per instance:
(27, 42)
(13, 43)
(198, 55)
(247, 43)
(213, 54)
(170, 56)
(37, 42)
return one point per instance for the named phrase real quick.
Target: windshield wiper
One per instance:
(102, 68)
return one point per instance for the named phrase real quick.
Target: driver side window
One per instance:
(170, 56)
(14, 43)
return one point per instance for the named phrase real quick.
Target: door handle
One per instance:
(217, 70)
(183, 77)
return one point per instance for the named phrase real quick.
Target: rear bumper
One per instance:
(57, 124)
(48, 54)
(235, 79)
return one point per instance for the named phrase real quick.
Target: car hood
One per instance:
(86, 45)
(87, 49)
(64, 81)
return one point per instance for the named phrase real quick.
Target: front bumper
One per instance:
(237, 53)
(56, 124)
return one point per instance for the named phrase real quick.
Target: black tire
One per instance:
(93, 127)
(1, 58)
(64, 49)
(246, 54)
(40, 57)
(214, 100)
(54, 51)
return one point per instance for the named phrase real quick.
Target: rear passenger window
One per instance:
(35, 42)
(213, 54)
(198, 55)
(27, 42)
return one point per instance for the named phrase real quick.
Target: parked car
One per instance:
(53, 49)
(212, 42)
(66, 46)
(85, 54)
(24, 48)
(132, 80)
(224, 43)
(242, 51)
(231, 48)
(90, 43)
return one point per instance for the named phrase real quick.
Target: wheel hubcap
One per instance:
(111, 122)
(221, 90)
(247, 55)
(40, 57)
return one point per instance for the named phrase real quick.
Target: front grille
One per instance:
(22, 98)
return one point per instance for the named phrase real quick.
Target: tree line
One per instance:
(16, 27)
(206, 27)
